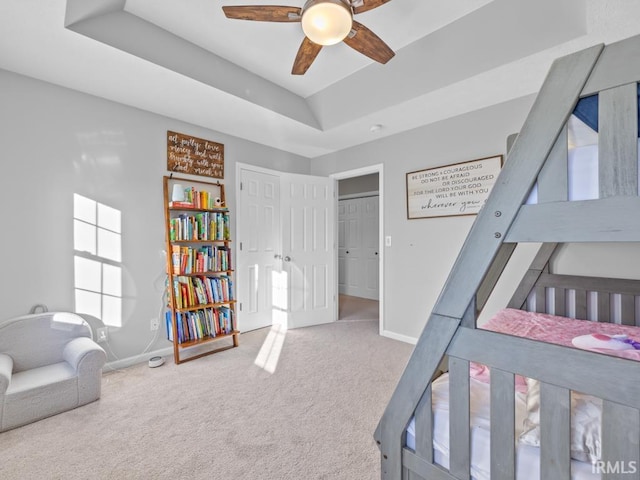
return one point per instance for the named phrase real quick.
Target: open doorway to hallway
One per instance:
(358, 247)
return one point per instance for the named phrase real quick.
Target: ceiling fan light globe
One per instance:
(326, 22)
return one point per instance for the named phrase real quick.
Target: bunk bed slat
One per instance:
(553, 180)
(559, 306)
(502, 425)
(618, 141)
(627, 309)
(620, 448)
(541, 299)
(580, 296)
(459, 433)
(555, 428)
(424, 427)
(612, 219)
(604, 307)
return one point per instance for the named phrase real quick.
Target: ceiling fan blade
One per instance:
(307, 53)
(263, 13)
(368, 43)
(369, 5)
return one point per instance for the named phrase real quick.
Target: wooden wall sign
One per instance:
(460, 189)
(195, 156)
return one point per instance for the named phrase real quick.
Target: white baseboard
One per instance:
(397, 336)
(142, 358)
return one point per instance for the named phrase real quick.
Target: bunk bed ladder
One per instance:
(475, 267)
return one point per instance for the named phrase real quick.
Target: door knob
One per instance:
(347, 252)
(287, 258)
(376, 253)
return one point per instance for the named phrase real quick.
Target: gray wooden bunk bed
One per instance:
(537, 158)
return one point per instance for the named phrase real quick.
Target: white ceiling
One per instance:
(186, 60)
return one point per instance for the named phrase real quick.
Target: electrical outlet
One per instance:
(155, 324)
(103, 334)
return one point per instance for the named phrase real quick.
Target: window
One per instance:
(97, 240)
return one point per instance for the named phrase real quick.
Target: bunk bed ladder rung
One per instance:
(502, 425)
(555, 418)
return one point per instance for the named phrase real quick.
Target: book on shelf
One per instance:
(201, 324)
(200, 226)
(181, 205)
(202, 290)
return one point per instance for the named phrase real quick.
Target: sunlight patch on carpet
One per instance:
(269, 353)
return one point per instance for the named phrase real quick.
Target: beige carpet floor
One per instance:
(296, 405)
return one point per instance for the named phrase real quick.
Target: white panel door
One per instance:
(259, 236)
(370, 238)
(308, 249)
(358, 259)
(349, 247)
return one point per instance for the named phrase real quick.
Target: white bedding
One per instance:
(528, 464)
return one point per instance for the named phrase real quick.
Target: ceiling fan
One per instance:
(324, 22)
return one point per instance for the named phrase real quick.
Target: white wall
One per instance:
(423, 251)
(57, 142)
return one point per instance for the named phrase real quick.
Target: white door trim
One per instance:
(358, 172)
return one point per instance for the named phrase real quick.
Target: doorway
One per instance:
(360, 241)
(285, 255)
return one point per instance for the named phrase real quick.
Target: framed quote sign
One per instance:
(459, 189)
(196, 156)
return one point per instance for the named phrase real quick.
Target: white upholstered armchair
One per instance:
(48, 364)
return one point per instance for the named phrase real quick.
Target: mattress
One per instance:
(527, 457)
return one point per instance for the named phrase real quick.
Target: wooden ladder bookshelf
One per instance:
(201, 291)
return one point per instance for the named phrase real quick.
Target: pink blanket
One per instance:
(551, 329)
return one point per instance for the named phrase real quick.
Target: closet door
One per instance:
(349, 249)
(369, 238)
(358, 259)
